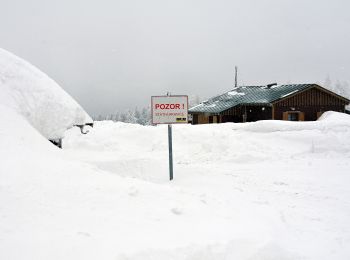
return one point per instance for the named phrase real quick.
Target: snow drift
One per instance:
(38, 98)
(237, 193)
(264, 190)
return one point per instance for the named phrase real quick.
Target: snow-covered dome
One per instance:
(37, 97)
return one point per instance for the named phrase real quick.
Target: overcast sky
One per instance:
(112, 55)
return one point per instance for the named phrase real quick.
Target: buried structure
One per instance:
(293, 102)
(36, 97)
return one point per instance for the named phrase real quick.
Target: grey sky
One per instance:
(112, 55)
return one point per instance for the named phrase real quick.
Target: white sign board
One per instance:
(169, 109)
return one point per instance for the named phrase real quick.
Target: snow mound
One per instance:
(329, 120)
(332, 116)
(38, 98)
(237, 194)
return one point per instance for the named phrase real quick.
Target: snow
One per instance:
(39, 99)
(290, 93)
(196, 106)
(235, 93)
(264, 190)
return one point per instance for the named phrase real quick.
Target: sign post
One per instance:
(170, 110)
(170, 142)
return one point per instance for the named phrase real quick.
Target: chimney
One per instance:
(271, 85)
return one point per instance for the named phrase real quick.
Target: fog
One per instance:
(113, 55)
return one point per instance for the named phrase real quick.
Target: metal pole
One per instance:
(170, 152)
(236, 76)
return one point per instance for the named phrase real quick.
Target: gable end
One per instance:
(314, 95)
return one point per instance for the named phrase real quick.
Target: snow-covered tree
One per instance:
(145, 116)
(193, 100)
(328, 83)
(340, 87)
(130, 117)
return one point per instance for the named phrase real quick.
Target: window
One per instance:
(293, 116)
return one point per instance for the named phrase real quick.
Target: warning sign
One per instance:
(169, 109)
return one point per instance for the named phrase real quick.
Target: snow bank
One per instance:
(335, 117)
(53, 207)
(38, 98)
(328, 120)
(240, 191)
(267, 190)
(240, 143)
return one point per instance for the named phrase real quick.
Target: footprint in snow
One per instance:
(84, 234)
(176, 211)
(203, 198)
(133, 192)
(280, 183)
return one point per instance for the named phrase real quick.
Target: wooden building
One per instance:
(294, 102)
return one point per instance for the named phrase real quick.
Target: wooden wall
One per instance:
(254, 113)
(205, 119)
(311, 102)
(200, 119)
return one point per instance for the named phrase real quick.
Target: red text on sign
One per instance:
(167, 106)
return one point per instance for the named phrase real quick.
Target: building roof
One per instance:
(248, 95)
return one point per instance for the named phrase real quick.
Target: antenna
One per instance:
(236, 69)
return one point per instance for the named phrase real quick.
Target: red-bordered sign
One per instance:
(169, 109)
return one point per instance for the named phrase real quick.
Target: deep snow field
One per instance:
(265, 190)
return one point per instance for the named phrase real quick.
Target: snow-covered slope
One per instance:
(265, 190)
(39, 99)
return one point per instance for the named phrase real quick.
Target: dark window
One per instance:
(293, 117)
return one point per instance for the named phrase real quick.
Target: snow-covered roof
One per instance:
(38, 98)
(245, 95)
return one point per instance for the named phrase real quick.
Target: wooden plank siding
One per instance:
(253, 112)
(312, 102)
(205, 119)
(233, 114)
